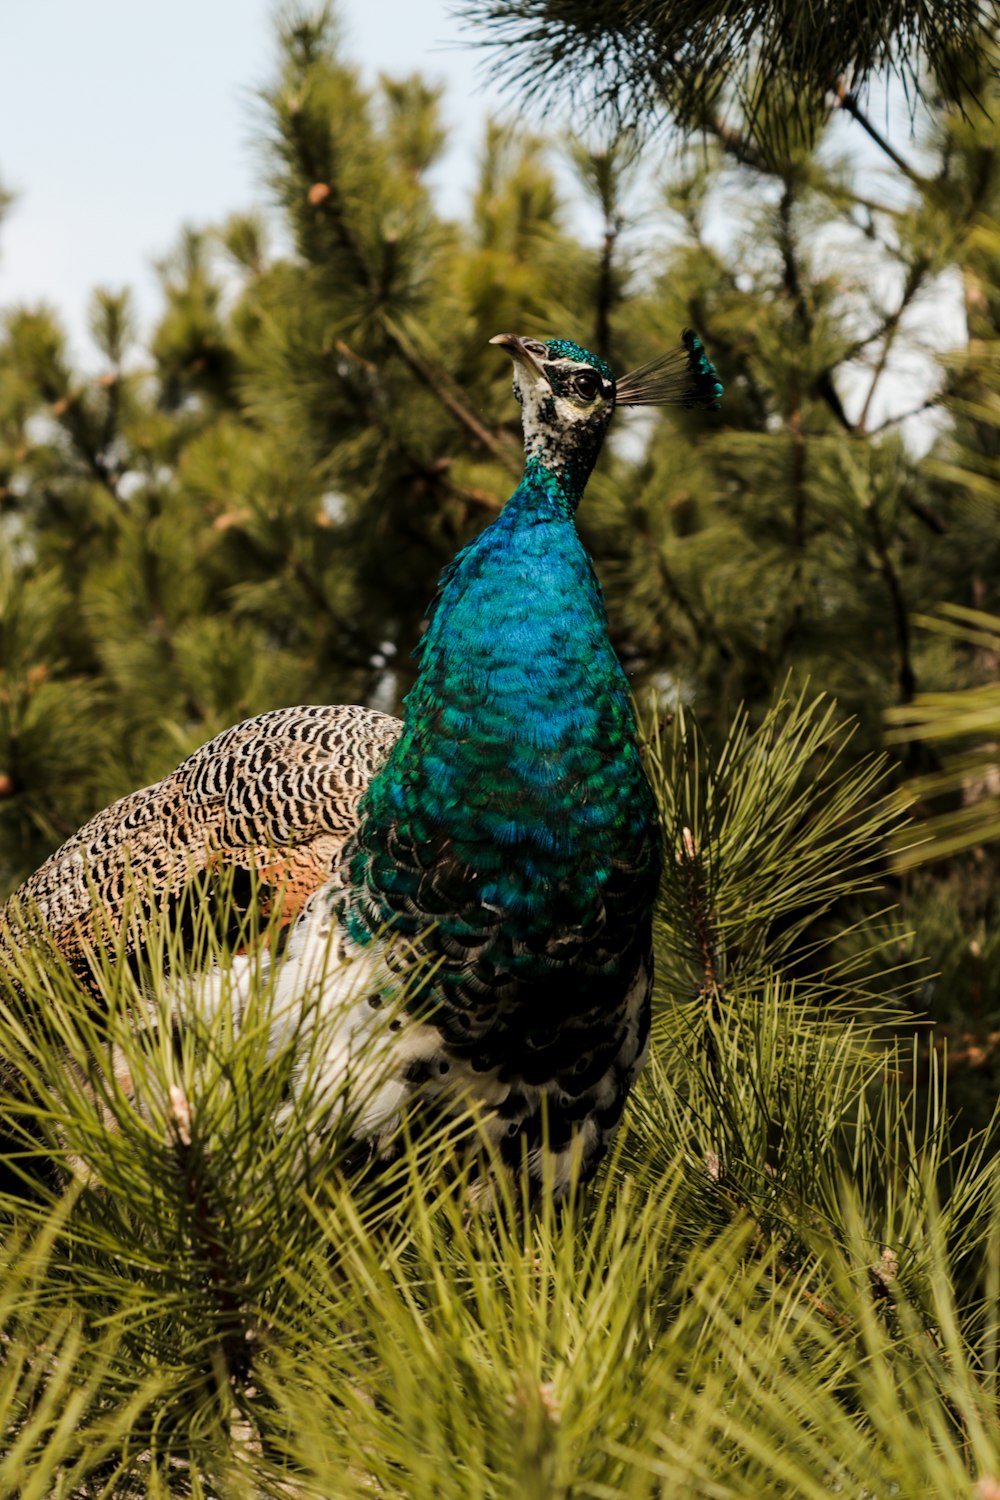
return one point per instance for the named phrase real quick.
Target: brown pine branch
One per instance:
(905, 675)
(849, 104)
(914, 280)
(741, 147)
(208, 1233)
(937, 524)
(602, 318)
(449, 394)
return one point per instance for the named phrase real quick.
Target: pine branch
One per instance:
(434, 472)
(797, 488)
(905, 676)
(76, 423)
(206, 1215)
(915, 276)
(823, 386)
(359, 651)
(702, 626)
(928, 517)
(444, 388)
(648, 64)
(741, 147)
(327, 201)
(849, 103)
(605, 280)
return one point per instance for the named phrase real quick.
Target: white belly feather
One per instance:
(358, 1057)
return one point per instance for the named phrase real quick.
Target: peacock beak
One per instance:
(516, 348)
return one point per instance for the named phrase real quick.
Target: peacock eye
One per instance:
(534, 347)
(586, 385)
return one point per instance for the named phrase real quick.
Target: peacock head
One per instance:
(567, 395)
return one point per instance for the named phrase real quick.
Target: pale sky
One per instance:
(121, 120)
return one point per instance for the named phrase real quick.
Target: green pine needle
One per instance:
(780, 1282)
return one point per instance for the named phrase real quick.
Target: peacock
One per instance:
(491, 862)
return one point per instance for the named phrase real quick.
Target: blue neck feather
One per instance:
(515, 792)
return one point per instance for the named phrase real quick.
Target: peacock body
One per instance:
(493, 861)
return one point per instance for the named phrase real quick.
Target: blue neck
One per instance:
(516, 650)
(517, 775)
(560, 462)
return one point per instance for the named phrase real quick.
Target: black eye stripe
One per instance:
(583, 383)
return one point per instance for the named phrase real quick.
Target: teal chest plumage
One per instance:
(512, 830)
(511, 838)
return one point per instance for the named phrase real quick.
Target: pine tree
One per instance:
(804, 535)
(258, 511)
(784, 1281)
(643, 63)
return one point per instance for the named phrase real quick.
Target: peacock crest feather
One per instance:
(683, 376)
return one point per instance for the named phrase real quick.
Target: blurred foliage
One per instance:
(961, 722)
(641, 63)
(969, 780)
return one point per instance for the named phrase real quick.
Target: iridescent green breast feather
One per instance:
(511, 836)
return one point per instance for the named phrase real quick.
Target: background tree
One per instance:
(785, 1280)
(259, 514)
